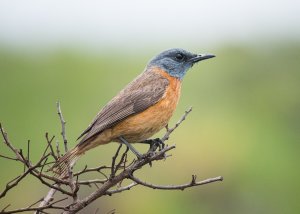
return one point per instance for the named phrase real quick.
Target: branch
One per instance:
(112, 184)
(177, 187)
(169, 131)
(126, 173)
(56, 187)
(63, 125)
(37, 209)
(9, 145)
(110, 192)
(15, 181)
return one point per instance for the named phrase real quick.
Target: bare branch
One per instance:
(96, 169)
(120, 170)
(57, 149)
(126, 173)
(15, 182)
(177, 187)
(110, 192)
(89, 182)
(72, 183)
(38, 209)
(9, 158)
(28, 150)
(9, 145)
(5, 208)
(49, 142)
(63, 126)
(113, 170)
(169, 131)
(47, 198)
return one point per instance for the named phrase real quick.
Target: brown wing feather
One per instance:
(143, 92)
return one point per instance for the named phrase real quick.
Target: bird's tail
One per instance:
(60, 168)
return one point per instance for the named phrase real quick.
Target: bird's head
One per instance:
(176, 62)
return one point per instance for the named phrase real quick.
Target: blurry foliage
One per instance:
(245, 125)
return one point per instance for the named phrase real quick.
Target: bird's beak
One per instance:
(200, 57)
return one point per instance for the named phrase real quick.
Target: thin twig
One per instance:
(169, 131)
(9, 158)
(57, 149)
(10, 185)
(49, 142)
(128, 187)
(9, 145)
(56, 186)
(48, 197)
(177, 187)
(28, 150)
(113, 170)
(109, 186)
(5, 208)
(35, 202)
(122, 160)
(96, 169)
(63, 126)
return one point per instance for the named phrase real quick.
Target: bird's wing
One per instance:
(143, 92)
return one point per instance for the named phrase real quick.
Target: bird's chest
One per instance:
(159, 114)
(145, 124)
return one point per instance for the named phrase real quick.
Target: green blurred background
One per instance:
(245, 123)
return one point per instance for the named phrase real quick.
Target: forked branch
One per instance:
(108, 182)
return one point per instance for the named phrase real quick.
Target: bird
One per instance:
(138, 111)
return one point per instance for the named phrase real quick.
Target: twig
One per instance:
(169, 131)
(126, 173)
(9, 145)
(9, 158)
(56, 187)
(5, 208)
(49, 142)
(28, 153)
(37, 209)
(122, 160)
(48, 197)
(96, 169)
(89, 182)
(113, 170)
(128, 187)
(57, 149)
(35, 202)
(10, 185)
(63, 126)
(120, 171)
(177, 187)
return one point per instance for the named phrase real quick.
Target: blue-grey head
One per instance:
(177, 62)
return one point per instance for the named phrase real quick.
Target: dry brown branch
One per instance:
(113, 175)
(177, 187)
(63, 126)
(170, 130)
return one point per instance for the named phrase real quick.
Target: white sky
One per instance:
(142, 23)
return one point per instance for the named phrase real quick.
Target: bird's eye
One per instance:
(179, 57)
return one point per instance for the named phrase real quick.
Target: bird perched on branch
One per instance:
(140, 110)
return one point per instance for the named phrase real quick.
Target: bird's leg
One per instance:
(124, 141)
(154, 143)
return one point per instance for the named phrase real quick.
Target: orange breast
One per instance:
(145, 124)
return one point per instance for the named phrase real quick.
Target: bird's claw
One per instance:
(155, 143)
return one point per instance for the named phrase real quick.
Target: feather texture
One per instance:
(143, 92)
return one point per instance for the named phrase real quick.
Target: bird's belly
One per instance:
(143, 125)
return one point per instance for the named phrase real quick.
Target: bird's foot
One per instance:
(154, 144)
